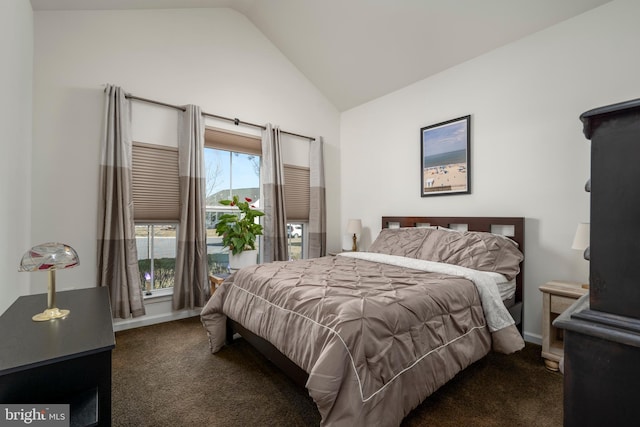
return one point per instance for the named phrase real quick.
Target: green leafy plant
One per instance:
(239, 232)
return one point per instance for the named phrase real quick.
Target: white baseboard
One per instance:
(124, 324)
(159, 310)
(533, 338)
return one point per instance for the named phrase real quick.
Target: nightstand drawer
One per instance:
(559, 303)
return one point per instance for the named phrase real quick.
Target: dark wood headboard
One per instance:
(512, 227)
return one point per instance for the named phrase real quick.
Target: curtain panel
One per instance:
(274, 239)
(117, 254)
(190, 288)
(317, 200)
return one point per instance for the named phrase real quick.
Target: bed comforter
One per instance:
(376, 338)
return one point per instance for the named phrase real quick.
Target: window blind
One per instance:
(232, 141)
(156, 188)
(296, 192)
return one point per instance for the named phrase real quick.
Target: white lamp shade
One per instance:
(581, 239)
(354, 226)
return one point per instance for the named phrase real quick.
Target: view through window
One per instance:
(156, 245)
(295, 240)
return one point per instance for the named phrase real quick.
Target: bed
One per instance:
(372, 334)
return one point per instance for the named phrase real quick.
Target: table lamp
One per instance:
(50, 257)
(354, 226)
(581, 242)
(581, 239)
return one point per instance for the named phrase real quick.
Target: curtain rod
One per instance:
(215, 116)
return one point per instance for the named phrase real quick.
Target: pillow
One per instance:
(472, 249)
(400, 241)
(502, 236)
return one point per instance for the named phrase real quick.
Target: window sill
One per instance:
(159, 295)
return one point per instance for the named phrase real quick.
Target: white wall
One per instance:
(16, 49)
(529, 157)
(528, 154)
(214, 58)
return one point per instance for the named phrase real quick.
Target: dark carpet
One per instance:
(164, 375)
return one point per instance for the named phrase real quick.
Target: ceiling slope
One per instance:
(357, 50)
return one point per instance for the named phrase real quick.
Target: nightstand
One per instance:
(557, 296)
(63, 361)
(216, 280)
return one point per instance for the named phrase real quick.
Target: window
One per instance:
(156, 245)
(156, 206)
(228, 173)
(296, 193)
(232, 167)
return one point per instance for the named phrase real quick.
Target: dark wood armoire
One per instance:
(602, 330)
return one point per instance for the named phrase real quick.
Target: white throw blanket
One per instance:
(495, 312)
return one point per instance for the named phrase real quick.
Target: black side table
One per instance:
(64, 361)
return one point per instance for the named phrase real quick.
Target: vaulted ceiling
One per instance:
(357, 50)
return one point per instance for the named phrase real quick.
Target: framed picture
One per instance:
(445, 158)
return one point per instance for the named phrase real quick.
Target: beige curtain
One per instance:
(317, 200)
(117, 254)
(190, 287)
(274, 239)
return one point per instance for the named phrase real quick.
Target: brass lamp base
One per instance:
(50, 314)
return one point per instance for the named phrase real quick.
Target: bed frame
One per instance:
(512, 227)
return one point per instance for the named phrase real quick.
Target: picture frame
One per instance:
(445, 160)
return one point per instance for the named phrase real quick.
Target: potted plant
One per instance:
(239, 233)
